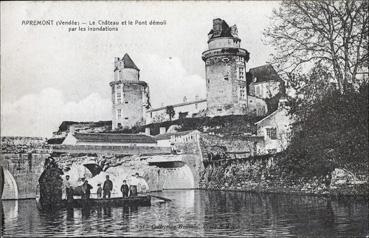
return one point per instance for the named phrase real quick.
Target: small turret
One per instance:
(129, 94)
(125, 69)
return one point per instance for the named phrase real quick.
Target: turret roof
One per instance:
(128, 62)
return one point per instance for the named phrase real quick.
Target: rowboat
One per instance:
(111, 202)
(141, 200)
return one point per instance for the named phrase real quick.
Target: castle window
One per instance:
(119, 97)
(261, 111)
(241, 73)
(257, 91)
(242, 92)
(226, 76)
(126, 118)
(119, 113)
(272, 133)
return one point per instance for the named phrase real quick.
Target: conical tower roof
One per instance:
(128, 62)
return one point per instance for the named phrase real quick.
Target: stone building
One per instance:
(225, 68)
(264, 82)
(183, 109)
(276, 129)
(129, 95)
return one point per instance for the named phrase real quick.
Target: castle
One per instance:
(129, 94)
(231, 90)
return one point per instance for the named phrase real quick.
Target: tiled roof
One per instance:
(114, 138)
(263, 73)
(128, 62)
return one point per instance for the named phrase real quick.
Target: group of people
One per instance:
(104, 191)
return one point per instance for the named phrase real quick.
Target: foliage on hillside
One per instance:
(65, 124)
(331, 132)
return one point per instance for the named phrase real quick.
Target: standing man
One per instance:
(124, 189)
(86, 188)
(68, 188)
(107, 187)
(99, 191)
(133, 185)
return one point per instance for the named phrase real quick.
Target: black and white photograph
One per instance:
(184, 119)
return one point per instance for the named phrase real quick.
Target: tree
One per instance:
(332, 133)
(170, 111)
(326, 33)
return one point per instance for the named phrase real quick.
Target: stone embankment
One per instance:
(261, 174)
(17, 144)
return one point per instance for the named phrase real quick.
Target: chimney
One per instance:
(217, 26)
(147, 131)
(72, 129)
(162, 130)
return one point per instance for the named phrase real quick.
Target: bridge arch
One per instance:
(10, 186)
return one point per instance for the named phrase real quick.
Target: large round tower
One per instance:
(225, 67)
(129, 94)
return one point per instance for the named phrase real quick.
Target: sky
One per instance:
(50, 75)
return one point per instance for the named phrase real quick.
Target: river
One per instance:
(197, 213)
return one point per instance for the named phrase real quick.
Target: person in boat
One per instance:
(124, 189)
(133, 185)
(68, 188)
(107, 187)
(86, 189)
(99, 191)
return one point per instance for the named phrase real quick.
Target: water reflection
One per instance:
(2, 219)
(196, 213)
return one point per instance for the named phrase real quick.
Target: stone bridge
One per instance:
(19, 172)
(158, 166)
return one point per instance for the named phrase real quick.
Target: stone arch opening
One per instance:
(179, 178)
(10, 186)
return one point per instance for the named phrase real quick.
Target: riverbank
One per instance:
(357, 192)
(263, 175)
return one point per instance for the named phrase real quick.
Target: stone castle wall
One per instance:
(131, 105)
(221, 148)
(220, 92)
